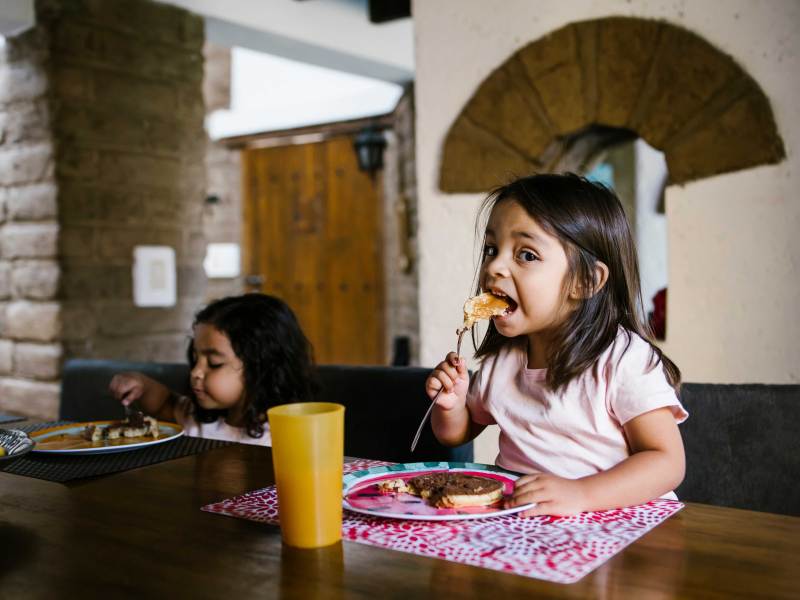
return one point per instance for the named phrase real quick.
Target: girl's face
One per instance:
(218, 376)
(528, 265)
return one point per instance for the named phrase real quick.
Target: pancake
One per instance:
(136, 425)
(456, 490)
(483, 306)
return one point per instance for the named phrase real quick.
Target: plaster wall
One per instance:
(734, 254)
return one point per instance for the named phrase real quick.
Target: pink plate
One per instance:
(362, 495)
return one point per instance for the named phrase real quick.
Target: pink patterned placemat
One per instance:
(558, 549)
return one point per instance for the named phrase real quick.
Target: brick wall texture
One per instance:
(102, 148)
(399, 226)
(671, 87)
(30, 313)
(222, 214)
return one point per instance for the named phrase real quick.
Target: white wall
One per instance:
(651, 225)
(734, 240)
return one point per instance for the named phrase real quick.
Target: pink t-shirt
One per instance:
(577, 431)
(216, 430)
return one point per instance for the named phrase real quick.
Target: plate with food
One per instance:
(94, 437)
(431, 491)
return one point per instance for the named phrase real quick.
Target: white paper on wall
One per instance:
(154, 276)
(222, 260)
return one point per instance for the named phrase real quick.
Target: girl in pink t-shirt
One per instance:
(247, 354)
(585, 402)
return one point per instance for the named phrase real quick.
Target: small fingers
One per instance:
(446, 381)
(437, 381)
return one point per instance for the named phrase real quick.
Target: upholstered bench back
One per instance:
(742, 441)
(742, 446)
(383, 405)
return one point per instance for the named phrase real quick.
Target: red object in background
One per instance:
(658, 318)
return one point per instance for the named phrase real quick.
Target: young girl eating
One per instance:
(585, 402)
(247, 354)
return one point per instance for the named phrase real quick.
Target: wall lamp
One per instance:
(369, 144)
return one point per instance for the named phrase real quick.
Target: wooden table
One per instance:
(141, 533)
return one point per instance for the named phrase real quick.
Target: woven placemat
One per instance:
(4, 418)
(63, 468)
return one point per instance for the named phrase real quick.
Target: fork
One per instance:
(460, 333)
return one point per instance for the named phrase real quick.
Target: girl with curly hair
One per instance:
(247, 354)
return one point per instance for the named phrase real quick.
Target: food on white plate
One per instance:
(135, 425)
(393, 486)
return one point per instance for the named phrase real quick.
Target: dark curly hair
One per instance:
(590, 222)
(277, 358)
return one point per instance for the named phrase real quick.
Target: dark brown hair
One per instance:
(590, 222)
(275, 353)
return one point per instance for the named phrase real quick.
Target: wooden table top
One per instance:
(141, 533)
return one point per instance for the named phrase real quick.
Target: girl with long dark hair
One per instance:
(585, 401)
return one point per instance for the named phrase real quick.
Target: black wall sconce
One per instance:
(369, 144)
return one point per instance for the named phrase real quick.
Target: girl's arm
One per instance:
(450, 419)
(155, 399)
(656, 466)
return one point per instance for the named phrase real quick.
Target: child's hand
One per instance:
(452, 374)
(128, 387)
(553, 495)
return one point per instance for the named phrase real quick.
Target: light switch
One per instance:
(154, 276)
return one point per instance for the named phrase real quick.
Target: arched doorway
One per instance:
(680, 94)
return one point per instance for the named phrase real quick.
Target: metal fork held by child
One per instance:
(460, 333)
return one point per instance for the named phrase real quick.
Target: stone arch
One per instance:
(665, 83)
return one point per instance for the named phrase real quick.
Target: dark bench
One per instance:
(383, 405)
(742, 446)
(742, 441)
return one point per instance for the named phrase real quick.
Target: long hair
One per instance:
(277, 358)
(590, 222)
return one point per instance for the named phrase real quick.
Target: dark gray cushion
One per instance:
(383, 405)
(742, 446)
(742, 441)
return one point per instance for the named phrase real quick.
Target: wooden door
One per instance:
(313, 236)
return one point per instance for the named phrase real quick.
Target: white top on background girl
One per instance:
(586, 403)
(246, 355)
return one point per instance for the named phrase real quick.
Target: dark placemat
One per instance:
(4, 418)
(63, 468)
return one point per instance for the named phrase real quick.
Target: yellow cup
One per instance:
(307, 456)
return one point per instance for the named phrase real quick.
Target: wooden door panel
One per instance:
(313, 229)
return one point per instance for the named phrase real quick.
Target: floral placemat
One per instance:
(558, 549)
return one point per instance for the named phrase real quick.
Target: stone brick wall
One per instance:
(30, 315)
(102, 148)
(128, 122)
(670, 86)
(400, 221)
(222, 214)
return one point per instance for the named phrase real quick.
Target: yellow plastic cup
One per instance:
(307, 457)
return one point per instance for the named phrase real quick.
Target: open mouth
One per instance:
(512, 304)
